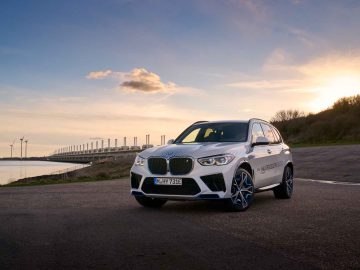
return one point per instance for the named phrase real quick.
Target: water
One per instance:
(12, 170)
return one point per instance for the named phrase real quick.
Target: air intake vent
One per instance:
(135, 180)
(215, 182)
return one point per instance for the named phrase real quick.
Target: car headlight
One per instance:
(139, 161)
(218, 160)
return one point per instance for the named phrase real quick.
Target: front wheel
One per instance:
(242, 191)
(286, 188)
(150, 202)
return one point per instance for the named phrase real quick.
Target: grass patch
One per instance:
(97, 172)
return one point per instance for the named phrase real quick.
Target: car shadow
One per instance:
(265, 199)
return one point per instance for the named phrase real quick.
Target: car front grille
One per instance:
(188, 187)
(215, 182)
(179, 165)
(157, 165)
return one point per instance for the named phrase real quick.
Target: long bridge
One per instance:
(90, 152)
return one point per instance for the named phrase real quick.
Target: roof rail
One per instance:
(198, 122)
(259, 120)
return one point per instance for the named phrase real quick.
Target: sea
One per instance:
(12, 170)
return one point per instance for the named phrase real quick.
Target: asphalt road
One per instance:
(340, 162)
(100, 226)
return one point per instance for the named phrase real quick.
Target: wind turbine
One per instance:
(26, 142)
(11, 148)
(21, 141)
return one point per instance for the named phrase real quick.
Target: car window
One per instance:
(256, 132)
(277, 135)
(268, 133)
(191, 137)
(210, 133)
(215, 132)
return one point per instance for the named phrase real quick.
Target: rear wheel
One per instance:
(150, 202)
(286, 188)
(242, 191)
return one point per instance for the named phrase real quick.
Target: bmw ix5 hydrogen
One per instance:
(218, 160)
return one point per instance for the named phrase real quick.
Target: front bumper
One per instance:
(204, 190)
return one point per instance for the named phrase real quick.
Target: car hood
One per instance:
(195, 150)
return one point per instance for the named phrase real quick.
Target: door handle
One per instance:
(269, 151)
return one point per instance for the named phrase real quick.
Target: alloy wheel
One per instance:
(242, 189)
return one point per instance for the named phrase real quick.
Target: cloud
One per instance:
(279, 61)
(254, 7)
(99, 74)
(139, 79)
(266, 84)
(312, 85)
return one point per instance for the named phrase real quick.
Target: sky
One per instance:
(72, 71)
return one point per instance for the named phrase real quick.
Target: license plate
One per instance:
(168, 181)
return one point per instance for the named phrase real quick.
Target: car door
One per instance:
(258, 157)
(284, 155)
(274, 149)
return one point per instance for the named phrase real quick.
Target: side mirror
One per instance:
(260, 141)
(171, 141)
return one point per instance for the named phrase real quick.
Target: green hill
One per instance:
(338, 124)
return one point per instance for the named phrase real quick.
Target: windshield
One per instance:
(214, 132)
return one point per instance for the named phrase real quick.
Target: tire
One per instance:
(150, 202)
(286, 188)
(242, 191)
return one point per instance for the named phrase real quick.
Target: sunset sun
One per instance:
(334, 88)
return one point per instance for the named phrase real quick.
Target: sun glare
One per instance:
(334, 89)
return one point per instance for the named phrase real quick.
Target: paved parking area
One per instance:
(99, 225)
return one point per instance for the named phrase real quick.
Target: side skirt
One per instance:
(267, 188)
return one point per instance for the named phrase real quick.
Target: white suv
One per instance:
(222, 160)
